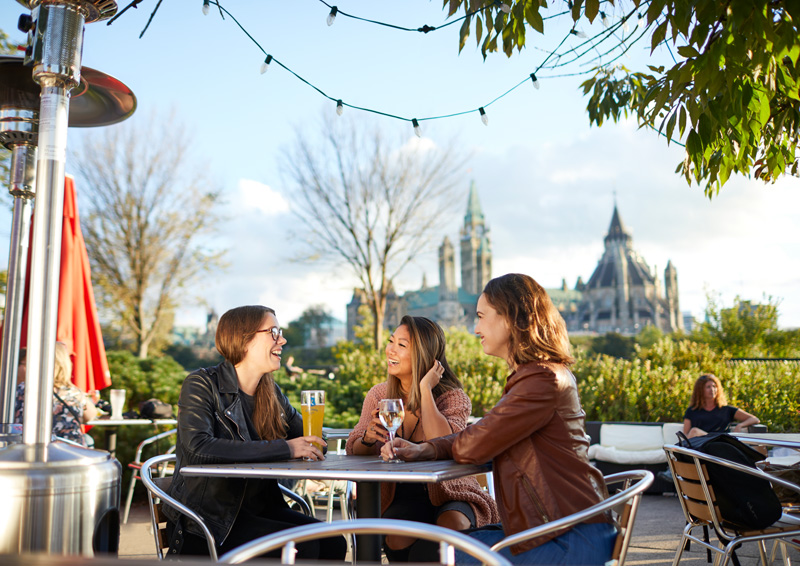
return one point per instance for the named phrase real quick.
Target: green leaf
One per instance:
(688, 51)
(658, 36)
(592, 7)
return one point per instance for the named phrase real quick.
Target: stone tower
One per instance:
(671, 291)
(476, 249)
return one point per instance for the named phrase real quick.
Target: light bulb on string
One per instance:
(417, 129)
(484, 117)
(578, 33)
(642, 21)
(604, 19)
(506, 9)
(625, 26)
(339, 107)
(535, 81)
(332, 15)
(206, 7)
(265, 64)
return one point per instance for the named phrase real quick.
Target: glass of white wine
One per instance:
(391, 413)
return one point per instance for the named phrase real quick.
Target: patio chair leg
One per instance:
(762, 551)
(706, 538)
(129, 498)
(681, 547)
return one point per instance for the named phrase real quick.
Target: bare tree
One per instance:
(372, 202)
(148, 212)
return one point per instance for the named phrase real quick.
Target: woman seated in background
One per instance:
(709, 410)
(235, 412)
(71, 406)
(534, 435)
(435, 405)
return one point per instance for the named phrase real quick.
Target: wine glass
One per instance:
(391, 413)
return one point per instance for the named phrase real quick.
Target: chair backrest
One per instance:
(150, 440)
(624, 505)
(157, 497)
(286, 539)
(696, 490)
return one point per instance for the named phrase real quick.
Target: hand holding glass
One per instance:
(312, 408)
(391, 413)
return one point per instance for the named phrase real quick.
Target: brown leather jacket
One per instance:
(536, 440)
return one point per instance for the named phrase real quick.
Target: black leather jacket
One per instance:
(212, 430)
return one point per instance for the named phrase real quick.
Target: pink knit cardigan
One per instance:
(455, 406)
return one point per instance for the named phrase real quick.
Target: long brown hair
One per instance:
(538, 332)
(427, 346)
(698, 394)
(235, 330)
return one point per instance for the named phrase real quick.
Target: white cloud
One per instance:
(255, 195)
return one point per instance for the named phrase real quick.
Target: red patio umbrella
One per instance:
(78, 324)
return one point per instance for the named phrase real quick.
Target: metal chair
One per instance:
(157, 496)
(623, 504)
(449, 540)
(136, 467)
(696, 494)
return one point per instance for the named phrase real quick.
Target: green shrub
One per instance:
(143, 379)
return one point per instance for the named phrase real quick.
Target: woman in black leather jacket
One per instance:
(234, 413)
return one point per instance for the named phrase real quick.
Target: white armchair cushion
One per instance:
(616, 456)
(670, 430)
(631, 437)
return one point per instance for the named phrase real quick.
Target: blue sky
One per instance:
(546, 179)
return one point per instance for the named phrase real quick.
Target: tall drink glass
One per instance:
(117, 399)
(391, 413)
(312, 408)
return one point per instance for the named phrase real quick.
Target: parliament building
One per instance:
(623, 294)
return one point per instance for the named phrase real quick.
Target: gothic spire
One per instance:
(474, 210)
(617, 230)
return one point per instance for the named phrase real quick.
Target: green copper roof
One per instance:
(474, 210)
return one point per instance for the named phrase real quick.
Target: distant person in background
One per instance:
(71, 406)
(709, 410)
(22, 364)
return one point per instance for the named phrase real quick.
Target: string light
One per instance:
(332, 15)
(505, 8)
(206, 7)
(604, 19)
(265, 64)
(641, 23)
(415, 121)
(625, 26)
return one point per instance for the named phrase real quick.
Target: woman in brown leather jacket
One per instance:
(534, 436)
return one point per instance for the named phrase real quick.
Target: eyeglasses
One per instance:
(276, 332)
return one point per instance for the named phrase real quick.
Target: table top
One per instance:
(336, 433)
(782, 439)
(108, 421)
(342, 467)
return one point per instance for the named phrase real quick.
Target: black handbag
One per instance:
(155, 409)
(747, 502)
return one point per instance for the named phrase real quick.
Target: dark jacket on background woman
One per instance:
(536, 440)
(211, 429)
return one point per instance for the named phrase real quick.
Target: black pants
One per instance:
(412, 503)
(248, 527)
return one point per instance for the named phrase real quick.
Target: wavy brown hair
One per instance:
(538, 332)
(427, 346)
(235, 330)
(698, 394)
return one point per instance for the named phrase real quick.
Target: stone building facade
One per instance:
(623, 294)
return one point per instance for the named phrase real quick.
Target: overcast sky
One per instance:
(545, 178)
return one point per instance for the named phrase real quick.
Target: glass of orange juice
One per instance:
(312, 409)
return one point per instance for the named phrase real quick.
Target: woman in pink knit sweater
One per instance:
(435, 405)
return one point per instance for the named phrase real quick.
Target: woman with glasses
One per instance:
(435, 405)
(534, 436)
(233, 413)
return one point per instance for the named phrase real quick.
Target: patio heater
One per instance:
(59, 499)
